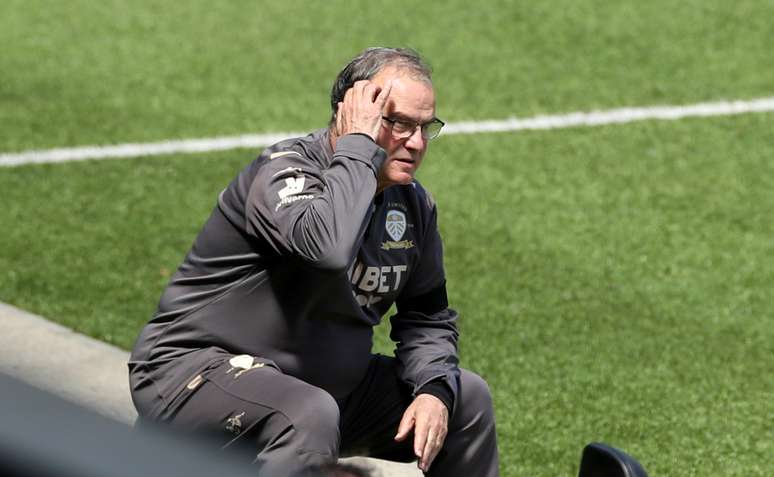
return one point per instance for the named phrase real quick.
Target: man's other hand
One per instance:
(361, 110)
(429, 418)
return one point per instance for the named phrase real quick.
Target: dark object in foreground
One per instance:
(42, 435)
(602, 460)
(335, 470)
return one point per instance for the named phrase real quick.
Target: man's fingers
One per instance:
(432, 448)
(363, 91)
(371, 92)
(349, 94)
(406, 423)
(434, 436)
(339, 118)
(361, 109)
(381, 98)
(428, 451)
(421, 430)
(430, 429)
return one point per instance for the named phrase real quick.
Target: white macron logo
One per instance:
(395, 224)
(291, 193)
(293, 186)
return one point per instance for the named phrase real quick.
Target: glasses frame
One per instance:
(410, 131)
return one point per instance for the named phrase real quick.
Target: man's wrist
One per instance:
(362, 134)
(440, 390)
(361, 147)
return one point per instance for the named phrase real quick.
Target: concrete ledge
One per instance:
(75, 367)
(91, 373)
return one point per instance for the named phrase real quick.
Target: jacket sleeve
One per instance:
(425, 328)
(315, 214)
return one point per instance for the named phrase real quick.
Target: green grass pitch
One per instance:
(614, 283)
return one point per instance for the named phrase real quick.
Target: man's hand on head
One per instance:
(429, 418)
(361, 110)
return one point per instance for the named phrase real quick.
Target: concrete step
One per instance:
(91, 373)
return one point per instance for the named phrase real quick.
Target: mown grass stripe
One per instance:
(575, 119)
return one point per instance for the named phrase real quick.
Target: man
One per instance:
(263, 337)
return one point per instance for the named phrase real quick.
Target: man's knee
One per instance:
(471, 445)
(317, 413)
(474, 401)
(303, 431)
(475, 390)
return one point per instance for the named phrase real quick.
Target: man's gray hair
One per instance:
(371, 61)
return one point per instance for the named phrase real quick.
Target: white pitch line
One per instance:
(143, 149)
(614, 116)
(592, 118)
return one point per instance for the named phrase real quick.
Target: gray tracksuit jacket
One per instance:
(296, 264)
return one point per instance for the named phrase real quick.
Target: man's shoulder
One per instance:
(302, 151)
(419, 196)
(310, 147)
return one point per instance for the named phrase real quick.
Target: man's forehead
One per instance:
(410, 98)
(410, 109)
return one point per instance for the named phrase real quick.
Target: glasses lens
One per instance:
(432, 129)
(402, 130)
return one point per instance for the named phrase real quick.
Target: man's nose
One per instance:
(416, 140)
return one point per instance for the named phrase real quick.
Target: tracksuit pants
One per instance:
(283, 424)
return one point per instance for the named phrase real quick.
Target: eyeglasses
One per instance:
(404, 129)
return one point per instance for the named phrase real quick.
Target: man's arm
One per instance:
(427, 356)
(319, 215)
(425, 333)
(426, 347)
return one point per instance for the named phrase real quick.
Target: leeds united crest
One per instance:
(396, 224)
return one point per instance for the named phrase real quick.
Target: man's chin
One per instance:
(404, 179)
(396, 176)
